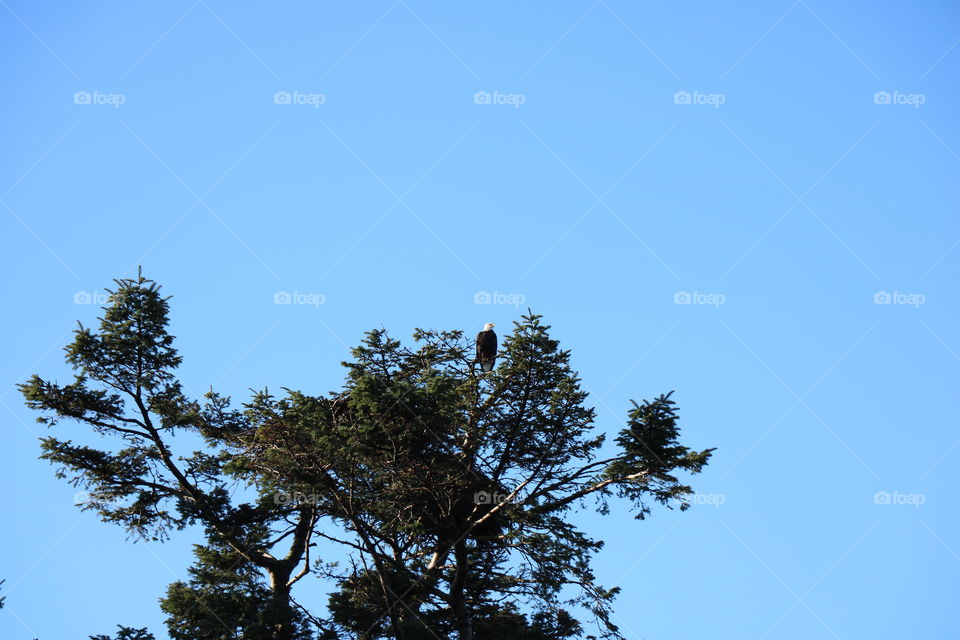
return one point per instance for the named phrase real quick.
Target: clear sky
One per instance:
(788, 170)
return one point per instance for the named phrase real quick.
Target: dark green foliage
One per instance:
(127, 633)
(125, 390)
(449, 489)
(226, 597)
(650, 444)
(400, 457)
(132, 361)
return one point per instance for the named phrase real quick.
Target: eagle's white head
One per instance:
(488, 326)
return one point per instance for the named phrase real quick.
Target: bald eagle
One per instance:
(487, 347)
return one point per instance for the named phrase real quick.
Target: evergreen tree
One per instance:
(125, 390)
(449, 489)
(453, 487)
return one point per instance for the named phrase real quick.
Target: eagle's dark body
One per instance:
(487, 349)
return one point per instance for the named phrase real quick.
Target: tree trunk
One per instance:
(278, 619)
(460, 608)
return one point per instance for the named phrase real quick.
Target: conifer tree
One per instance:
(125, 391)
(449, 489)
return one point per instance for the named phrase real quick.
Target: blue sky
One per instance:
(754, 205)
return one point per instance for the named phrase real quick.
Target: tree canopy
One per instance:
(450, 490)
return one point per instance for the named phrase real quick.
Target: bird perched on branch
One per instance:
(487, 347)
